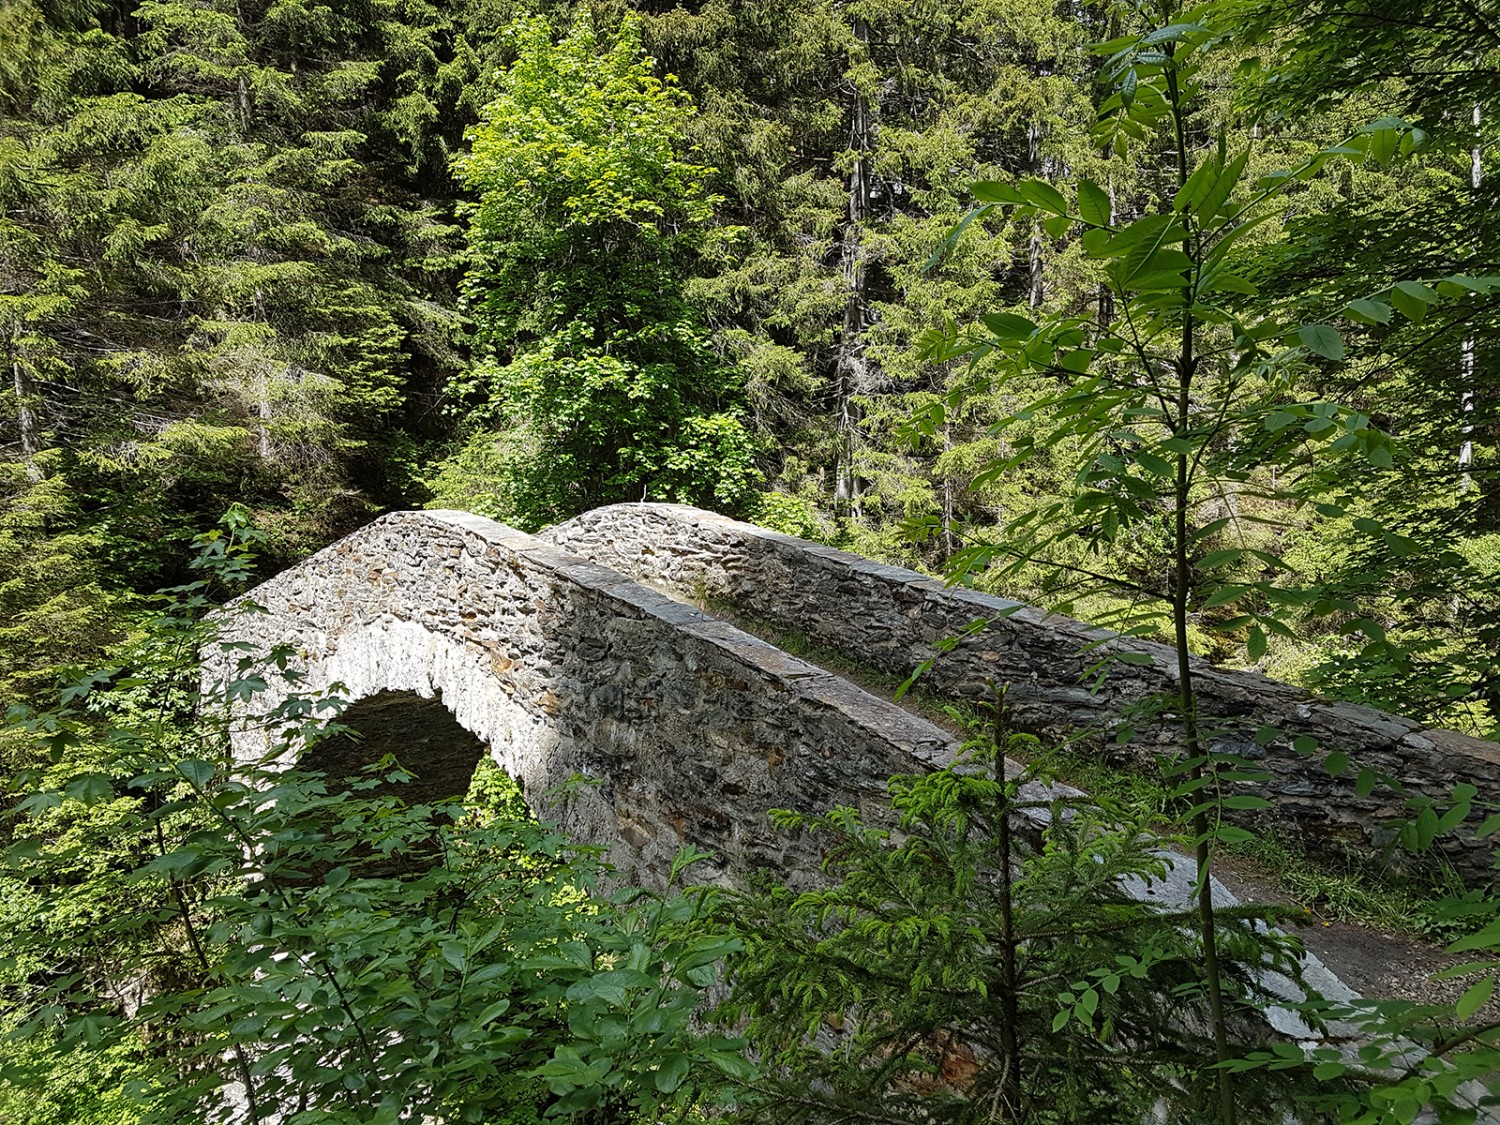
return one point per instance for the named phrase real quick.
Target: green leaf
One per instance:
(1245, 801)
(89, 788)
(1042, 194)
(1089, 1001)
(1009, 326)
(1156, 466)
(1224, 595)
(1412, 299)
(197, 771)
(1384, 144)
(1323, 340)
(992, 191)
(1197, 186)
(1476, 997)
(672, 1071)
(492, 1012)
(1255, 643)
(1173, 33)
(732, 1064)
(1221, 281)
(1367, 311)
(1336, 763)
(1226, 557)
(1058, 225)
(1093, 203)
(1453, 817)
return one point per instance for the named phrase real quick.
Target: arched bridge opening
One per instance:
(418, 735)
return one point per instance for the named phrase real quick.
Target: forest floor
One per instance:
(1379, 964)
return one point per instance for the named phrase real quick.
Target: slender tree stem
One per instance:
(1187, 363)
(242, 1064)
(1011, 1094)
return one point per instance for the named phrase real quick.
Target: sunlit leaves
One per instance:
(1321, 340)
(350, 954)
(597, 378)
(1093, 204)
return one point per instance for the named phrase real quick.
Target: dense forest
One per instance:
(327, 263)
(1181, 321)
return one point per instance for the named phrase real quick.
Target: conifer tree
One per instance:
(224, 267)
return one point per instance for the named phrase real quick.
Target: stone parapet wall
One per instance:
(691, 729)
(894, 619)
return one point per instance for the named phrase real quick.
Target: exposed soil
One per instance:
(1377, 964)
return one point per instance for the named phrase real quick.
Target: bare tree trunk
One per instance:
(950, 537)
(26, 416)
(851, 368)
(1035, 285)
(1466, 361)
(263, 389)
(1106, 297)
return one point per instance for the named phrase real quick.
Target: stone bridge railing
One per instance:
(451, 636)
(893, 620)
(691, 729)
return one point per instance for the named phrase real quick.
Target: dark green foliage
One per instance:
(223, 270)
(1183, 405)
(844, 135)
(972, 965)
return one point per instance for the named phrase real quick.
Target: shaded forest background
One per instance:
(244, 260)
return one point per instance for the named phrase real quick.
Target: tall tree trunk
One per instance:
(1466, 361)
(950, 537)
(263, 388)
(26, 416)
(1106, 296)
(851, 367)
(1035, 284)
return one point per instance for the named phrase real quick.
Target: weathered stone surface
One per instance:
(690, 729)
(892, 619)
(451, 634)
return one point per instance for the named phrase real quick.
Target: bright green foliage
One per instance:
(973, 972)
(600, 376)
(1427, 372)
(313, 947)
(54, 609)
(76, 1085)
(1185, 404)
(844, 134)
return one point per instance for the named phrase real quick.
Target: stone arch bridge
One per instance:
(588, 650)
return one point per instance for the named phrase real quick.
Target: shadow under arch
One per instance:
(420, 734)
